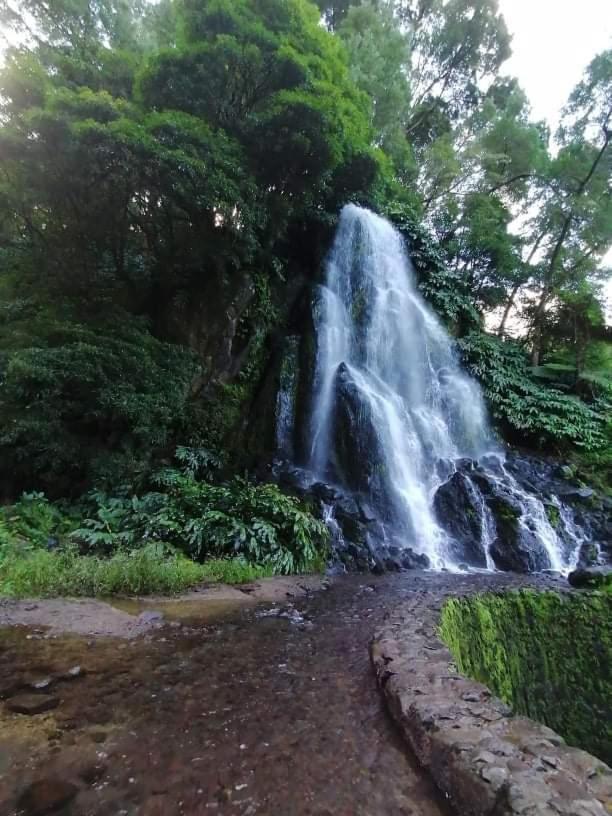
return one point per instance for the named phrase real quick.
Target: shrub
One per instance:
(35, 521)
(538, 413)
(83, 404)
(257, 522)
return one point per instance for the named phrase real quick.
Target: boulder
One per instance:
(576, 494)
(359, 461)
(458, 506)
(515, 547)
(591, 578)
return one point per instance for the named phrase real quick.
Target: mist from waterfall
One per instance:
(388, 386)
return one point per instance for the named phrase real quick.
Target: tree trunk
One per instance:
(509, 304)
(536, 349)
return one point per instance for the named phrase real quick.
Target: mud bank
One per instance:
(487, 761)
(133, 617)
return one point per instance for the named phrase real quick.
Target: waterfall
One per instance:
(393, 413)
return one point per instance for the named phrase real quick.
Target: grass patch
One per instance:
(234, 571)
(42, 574)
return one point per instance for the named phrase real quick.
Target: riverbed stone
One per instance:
(46, 796)
(31, 704)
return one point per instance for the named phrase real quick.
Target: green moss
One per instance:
(552, 511)
(549, 656)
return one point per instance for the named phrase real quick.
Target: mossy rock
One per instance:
(592, 578)
(548, 655)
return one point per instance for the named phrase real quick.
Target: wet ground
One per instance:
(271, 709)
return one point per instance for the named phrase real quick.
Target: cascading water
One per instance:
(392, 411)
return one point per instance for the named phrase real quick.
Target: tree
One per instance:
(456, 46)
(576, 215)
(156, 187)
(379, 64)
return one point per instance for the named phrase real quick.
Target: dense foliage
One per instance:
(156, 541)
(539, 413)
(171, 174)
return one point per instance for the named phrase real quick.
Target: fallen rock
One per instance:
(591, 577)
(31, 704)
(46, 796)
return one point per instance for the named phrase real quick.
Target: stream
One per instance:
(270, 709)
(251, 713)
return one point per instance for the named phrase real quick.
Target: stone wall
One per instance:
(487, 761)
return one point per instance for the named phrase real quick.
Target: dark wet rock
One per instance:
(10, 687)
(491, 462)
(459, 510)
(46, 796)
(291, 478)
(591, 578)
(31, 704)
(325, 492)
(588, 555)
(465, 465)
(72, 674)
(515, 548)
(367, 512)
(41, 685)
(444, 469)
(360, 463)
(577, 494)
(92, 772)
(413, 560)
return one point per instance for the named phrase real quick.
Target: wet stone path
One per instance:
(268, 710)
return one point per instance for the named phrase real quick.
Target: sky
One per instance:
(553, 42)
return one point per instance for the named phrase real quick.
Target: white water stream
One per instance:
(380, 342)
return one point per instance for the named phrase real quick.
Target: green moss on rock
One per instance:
(547, 655)
(552, 511)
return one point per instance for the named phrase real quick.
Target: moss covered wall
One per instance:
(547, 655)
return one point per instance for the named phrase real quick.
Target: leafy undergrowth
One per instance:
(547, 655)
(541, 414)
(185, 530)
